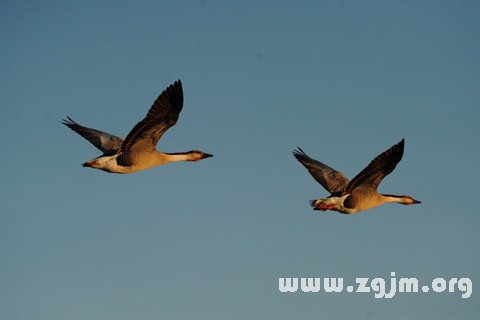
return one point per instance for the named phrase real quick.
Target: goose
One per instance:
(360, 193)
(138, 150)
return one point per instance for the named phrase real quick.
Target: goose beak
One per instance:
(416, 201)
(207, 155)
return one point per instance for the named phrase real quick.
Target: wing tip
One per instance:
(399, 148)
(298, 153)
(69, 122)
(177, 85)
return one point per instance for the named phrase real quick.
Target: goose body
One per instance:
(360, 193)
(138, 150)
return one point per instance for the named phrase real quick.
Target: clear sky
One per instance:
(344, 80)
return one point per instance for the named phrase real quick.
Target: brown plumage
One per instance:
(138, 150)
(361, 192)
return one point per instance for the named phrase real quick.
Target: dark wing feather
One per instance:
(332, 180)
(162, 115)
(378, 168)
(105, 142)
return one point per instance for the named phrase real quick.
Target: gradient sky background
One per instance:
(344, 80)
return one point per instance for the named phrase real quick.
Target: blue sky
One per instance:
(209, 240)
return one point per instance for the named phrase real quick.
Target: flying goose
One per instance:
(361, 192)
(138, 150)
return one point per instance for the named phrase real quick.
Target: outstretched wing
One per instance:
(332, 180)
(378, 168)
(162, 115)
(105, 142)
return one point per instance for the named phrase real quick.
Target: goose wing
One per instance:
(105, 142)
(370, 177)
(332, 180)
(162, 115)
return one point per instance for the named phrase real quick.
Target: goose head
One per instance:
(196, 155)
(407, 200)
